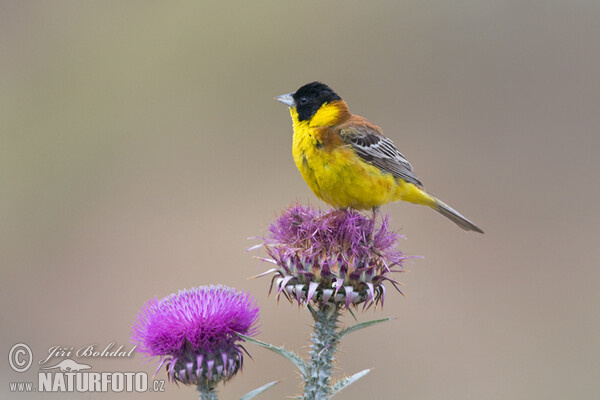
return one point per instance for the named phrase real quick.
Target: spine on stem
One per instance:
(317, 384)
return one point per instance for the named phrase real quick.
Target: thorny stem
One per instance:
(207, 392)
(317, 384)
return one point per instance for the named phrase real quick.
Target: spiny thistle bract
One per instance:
(337, 257)
(195, 333)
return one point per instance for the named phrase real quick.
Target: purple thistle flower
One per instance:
(195, 333)
(338, 257)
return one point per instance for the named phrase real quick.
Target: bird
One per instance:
(347, 161)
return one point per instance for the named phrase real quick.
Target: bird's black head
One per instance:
(310, 97)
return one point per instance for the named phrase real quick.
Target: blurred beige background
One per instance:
(141, 147)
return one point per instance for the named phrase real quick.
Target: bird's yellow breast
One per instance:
(335, 173)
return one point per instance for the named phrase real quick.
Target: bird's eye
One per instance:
(303, 100)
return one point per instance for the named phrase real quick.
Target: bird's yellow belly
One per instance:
(340, 179)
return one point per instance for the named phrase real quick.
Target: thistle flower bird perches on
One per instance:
(338, 257)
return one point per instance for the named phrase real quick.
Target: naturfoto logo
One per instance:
(59, 372)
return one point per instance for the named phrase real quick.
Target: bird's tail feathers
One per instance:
(455, 216)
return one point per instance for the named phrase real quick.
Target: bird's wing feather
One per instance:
(374, 148)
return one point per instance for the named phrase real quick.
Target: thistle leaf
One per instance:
(362, 325)
(258, 391)
(344, 383)
(290, 355)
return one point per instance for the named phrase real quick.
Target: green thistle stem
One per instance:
(207, 392)
(317, 383)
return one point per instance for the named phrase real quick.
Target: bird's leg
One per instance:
(374, 211)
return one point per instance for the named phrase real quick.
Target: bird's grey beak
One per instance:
(287, 99)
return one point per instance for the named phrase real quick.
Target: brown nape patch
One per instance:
(364, 124)
(344, 112)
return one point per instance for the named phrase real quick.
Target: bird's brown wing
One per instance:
(370, 145)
